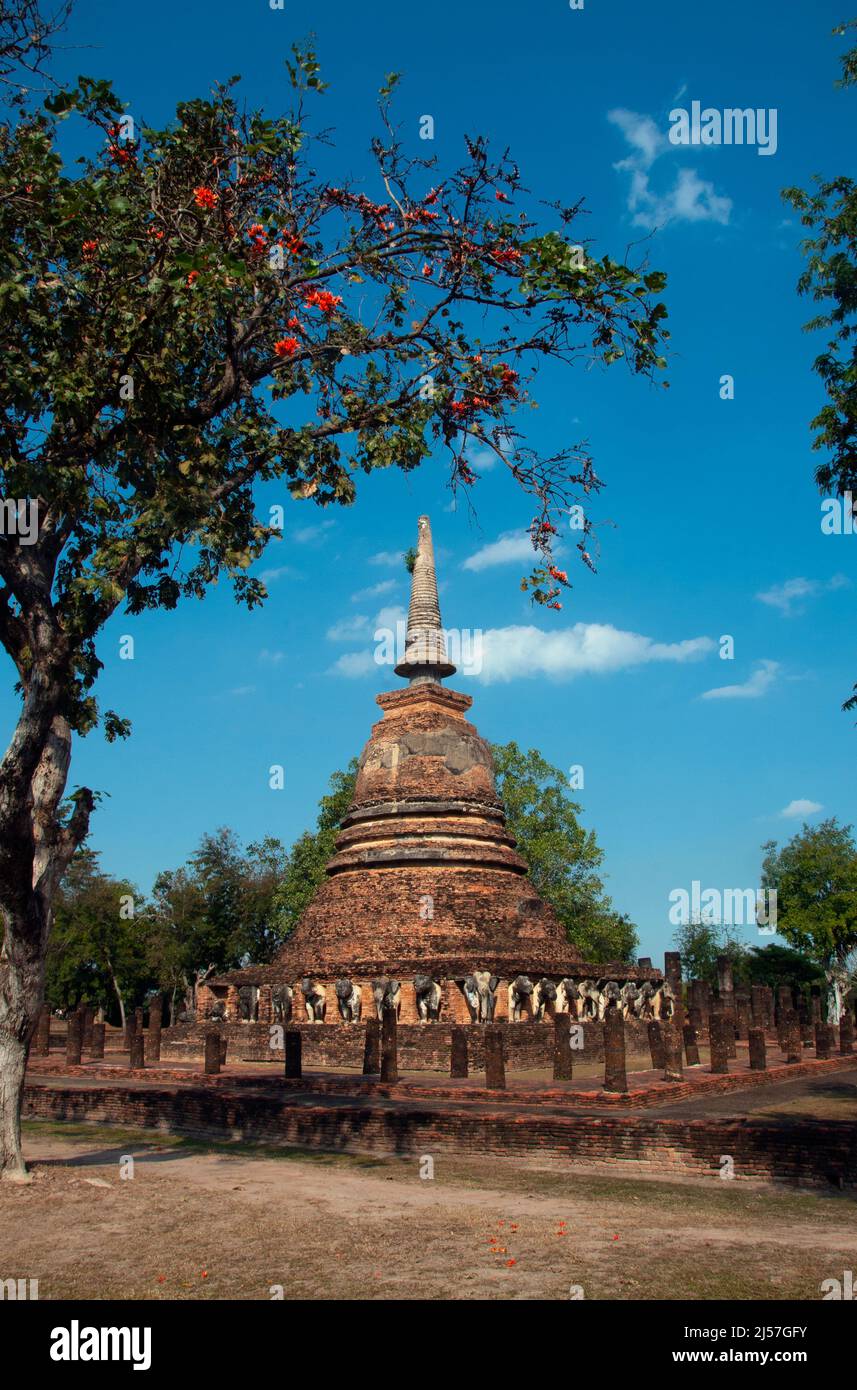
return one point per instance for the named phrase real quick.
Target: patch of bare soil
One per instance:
(216, 1222)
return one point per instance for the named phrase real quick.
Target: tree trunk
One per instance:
(21, 995)
(118, 994)
(35, 848)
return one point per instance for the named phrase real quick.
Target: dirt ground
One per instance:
(230, 1222)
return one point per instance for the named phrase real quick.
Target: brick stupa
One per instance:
(425, 878)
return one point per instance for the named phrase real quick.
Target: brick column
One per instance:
(372, 1048)
(822, 1039)
(389, 1047)
(815, 1002)
(644, 962)
(758, 1050)
(672, 974)
(458, 1052)
(294, 1053)
(97, 1051)
(73, 1040)
(212, 1052)
(656, 1044)
(41, 1044)
(758, 1008)
(129, 1032)
(846, 1034)
(742, 1015)
(691, 1043)
(224, 1047)
(153, 1042)
(615, 1076)
(718, 1037)
(495, 1064)
(562, 1069)
(672, 1051)
(807, 1029)
(699, 998)
(793, 1048)
(138, 1052)
(87, 1023)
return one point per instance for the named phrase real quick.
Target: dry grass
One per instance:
(229, 1222)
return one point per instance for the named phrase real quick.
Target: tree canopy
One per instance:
(815, 878)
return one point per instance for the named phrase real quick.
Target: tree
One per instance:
(192, 311)
(27, 37)
(830, 278)
(563, 858)
(815, 878)
(701, 942)
(777, 965)
(97, 951)
(216, 912)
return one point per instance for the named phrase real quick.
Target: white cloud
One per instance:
(386, 586)
(353, 664)
(240, 690)
(787, 596)
(270, 575)
(391, 559)
(349, 629)
(800, 807)
(584, 649)
(690, 199)
(753, 688)
(512, 545)
(271, 658)
(307, 534)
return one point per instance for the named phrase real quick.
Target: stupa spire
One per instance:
(425, 656)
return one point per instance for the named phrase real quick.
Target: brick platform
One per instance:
(527, 1120)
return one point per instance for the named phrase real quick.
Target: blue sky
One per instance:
(715, 518)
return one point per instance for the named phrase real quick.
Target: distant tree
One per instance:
(777, 965)
(830, 278)
(815, 877)
(97, 951)
(701, 942)
(564, 859)
(216, 912)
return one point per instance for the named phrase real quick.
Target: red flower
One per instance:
(428, 270)
(286, 347)
(89, 250)
(323, 300)
(501, 197)
(204, 197)
(193, 277)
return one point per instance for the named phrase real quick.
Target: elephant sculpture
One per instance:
(646, 1009)
(386, 995)
(428, 995)
(544, 993)
(664, 1002)
(566, 997)
(520, 991)
(218, 1012)
(589, 996)
(349, 998)
(315, 999)
(480, 990)
(281, 1003)
(611, 998)
(248, 1003)
(630, 997)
